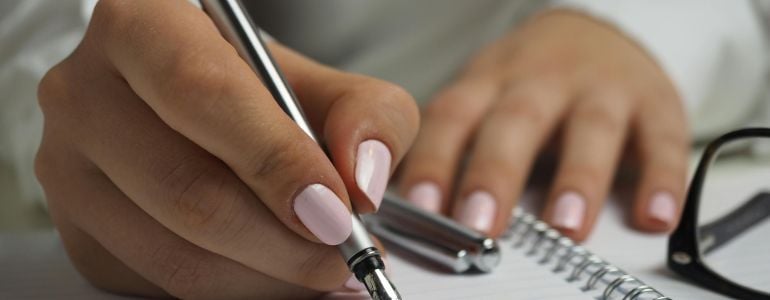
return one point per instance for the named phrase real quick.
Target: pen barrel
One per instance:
(239, 30)
(357, 241)
(242, 33)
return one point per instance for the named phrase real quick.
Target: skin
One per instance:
(170, 170)
(560, 78)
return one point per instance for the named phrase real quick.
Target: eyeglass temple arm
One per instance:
(717, 233)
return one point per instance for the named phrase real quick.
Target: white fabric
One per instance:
(34, 35)
(714, 50)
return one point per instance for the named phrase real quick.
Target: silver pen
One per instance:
(433, 237)
(358, 251)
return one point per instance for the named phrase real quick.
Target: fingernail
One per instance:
(478, 211)
(425, 195)
(323, 214)
(569, 212)
(373, 170)
(663, 208)
(354, 284)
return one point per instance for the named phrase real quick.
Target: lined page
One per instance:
(518, 277)
(746, 258)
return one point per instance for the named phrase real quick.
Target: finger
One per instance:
(102, 269)
(201, 199)
(185, 188)
(505, 147)
(593, 139)
(120, 248)
(196, 83)
(368, 124)
(663, 147)
(450, 119)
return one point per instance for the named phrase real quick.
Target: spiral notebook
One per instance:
(538, 263)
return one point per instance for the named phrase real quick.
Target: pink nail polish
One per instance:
(570, 211)
(323, 214)
(425, 195)
(663, 208)
(373, 170)
(354, 284)
(478, 212)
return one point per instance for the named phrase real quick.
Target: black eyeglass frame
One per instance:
(684, 256)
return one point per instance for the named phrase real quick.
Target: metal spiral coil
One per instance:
(537, 239)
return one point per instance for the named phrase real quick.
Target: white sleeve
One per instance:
(714, 51)
(35, 35)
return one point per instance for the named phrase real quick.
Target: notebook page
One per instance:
(640, 254)
(749, 266)
(644, 255)
(517, 277)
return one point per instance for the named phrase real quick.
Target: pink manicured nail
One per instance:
(425, 195)
(663, 208)
(323, 214)
(373, 170)
(569, 212)
(478, 211)
(354, 284)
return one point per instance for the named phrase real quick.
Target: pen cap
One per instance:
(237, 27)
(436, 231)
(454, 260)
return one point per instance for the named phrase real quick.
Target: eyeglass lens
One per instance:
(734, 213)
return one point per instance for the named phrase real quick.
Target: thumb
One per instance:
(366, 123)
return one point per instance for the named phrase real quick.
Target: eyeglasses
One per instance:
(723, 240)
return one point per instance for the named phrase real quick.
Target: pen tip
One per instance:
(379, 286)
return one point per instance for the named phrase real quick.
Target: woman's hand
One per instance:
(559, 72)
(170, 170)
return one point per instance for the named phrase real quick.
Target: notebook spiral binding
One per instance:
(540, 240)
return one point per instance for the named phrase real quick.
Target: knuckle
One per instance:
(602, 117)
(449, 106)
(204, 198)
(53, 90)
(42, 166)
(190, 75)
(279, 155)
(531, 103)
(527, 111)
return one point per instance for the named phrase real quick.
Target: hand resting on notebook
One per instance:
(563, 79)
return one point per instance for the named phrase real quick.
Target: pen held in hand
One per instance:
(358, 250)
